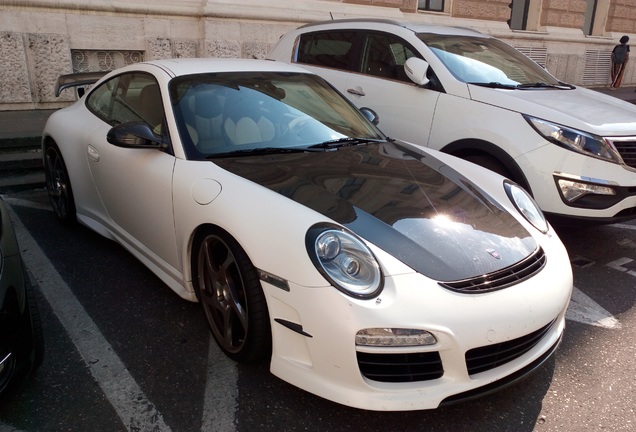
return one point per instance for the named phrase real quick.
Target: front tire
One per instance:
(58, 184)
(228, 288)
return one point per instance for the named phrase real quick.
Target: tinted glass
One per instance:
(328, 49)
(384, 56)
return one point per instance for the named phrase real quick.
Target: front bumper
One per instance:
(551, 161)
(322, 358)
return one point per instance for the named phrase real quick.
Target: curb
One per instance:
(21, 164)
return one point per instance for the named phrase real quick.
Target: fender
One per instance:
(466, 147)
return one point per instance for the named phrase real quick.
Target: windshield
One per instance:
(480, 60)
(243, 112)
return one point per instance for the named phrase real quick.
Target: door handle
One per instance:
(93, 154)
(356, 91)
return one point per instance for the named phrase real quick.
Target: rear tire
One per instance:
(58, 185)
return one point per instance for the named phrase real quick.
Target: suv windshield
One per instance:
(249, 112)
(479, 60)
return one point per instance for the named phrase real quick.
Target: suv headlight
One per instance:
(344, 260)
(526, 206)
(575, 140)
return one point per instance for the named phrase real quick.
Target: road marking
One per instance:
(134, 409)
(221, 392)
(585, 310)
(620, 264)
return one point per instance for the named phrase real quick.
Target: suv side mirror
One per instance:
(416, 69)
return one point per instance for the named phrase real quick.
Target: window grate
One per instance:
(537, 54)
(103, 61)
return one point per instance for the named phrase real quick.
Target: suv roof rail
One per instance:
(354, 20)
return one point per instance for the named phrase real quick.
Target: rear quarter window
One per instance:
(328, 49)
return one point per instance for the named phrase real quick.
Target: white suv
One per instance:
(471, 95)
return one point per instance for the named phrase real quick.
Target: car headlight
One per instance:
(344, 260)
(575, 140)
(526, 206)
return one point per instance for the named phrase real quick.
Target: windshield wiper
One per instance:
(320, 147)
(541, 85)
(343, 142)
(494, 84)
(261, 151)
(560, 85)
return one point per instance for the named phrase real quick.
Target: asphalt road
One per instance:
(124, 353)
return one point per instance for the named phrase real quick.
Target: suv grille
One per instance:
(627, 150)
(500, 279)
(489, 357)
(400, 367)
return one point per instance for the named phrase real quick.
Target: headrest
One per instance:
(207, 104)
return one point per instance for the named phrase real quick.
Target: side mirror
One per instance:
(416, 69)
(135, 135)
(370, 115)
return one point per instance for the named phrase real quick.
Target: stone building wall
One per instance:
(564, 13)
(622, 16)
(37, 36)
(494, 10)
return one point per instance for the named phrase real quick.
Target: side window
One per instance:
(99, 102)
(127, 98)
(332, 49)
(384, 56)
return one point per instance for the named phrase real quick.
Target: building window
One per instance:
(430, 5)
(590, 12)
(518, 14)
(103, 61)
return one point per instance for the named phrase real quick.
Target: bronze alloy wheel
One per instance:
(230, 293)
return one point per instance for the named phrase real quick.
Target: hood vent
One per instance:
(503, 278)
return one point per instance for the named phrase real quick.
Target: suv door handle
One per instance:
(356, 91)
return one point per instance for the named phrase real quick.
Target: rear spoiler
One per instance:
(76, 80)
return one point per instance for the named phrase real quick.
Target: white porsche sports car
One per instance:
(372, 272)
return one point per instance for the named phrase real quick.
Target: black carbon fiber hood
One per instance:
(408, 203)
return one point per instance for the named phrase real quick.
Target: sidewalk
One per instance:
(20, 155)
(20, 134)
(626, 93)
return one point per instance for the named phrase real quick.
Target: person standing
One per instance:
(620, 56)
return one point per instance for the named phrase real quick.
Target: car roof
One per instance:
(363, 23)
(188, 66)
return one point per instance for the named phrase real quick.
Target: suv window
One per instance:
(333, 49)
(381, 54)
(384, 56)
(126, 98)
